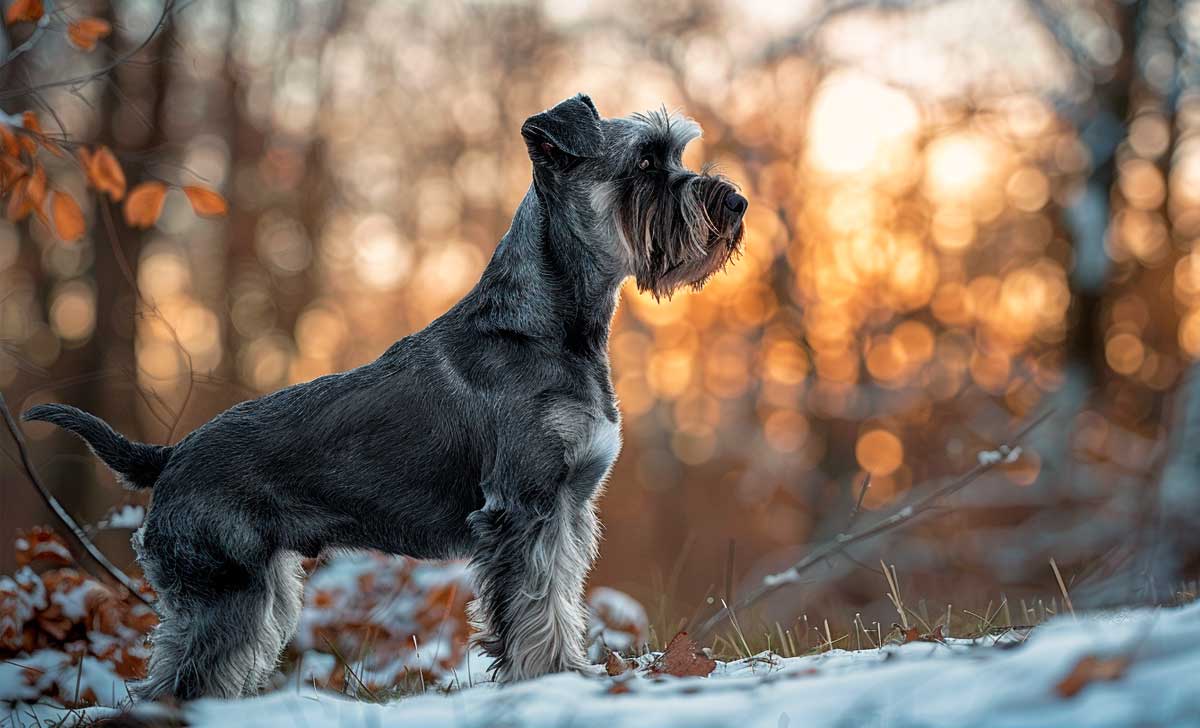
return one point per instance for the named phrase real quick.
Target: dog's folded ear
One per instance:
(572, 128)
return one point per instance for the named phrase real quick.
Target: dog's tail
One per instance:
(138, 464)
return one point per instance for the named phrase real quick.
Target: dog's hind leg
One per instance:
(287, 583)
(219, 635)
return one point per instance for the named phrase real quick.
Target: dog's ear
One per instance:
(571, 128)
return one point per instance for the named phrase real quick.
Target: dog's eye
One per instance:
(645, 164)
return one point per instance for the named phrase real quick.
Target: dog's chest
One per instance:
(589, 433)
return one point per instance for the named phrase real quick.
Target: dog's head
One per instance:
(622, 181)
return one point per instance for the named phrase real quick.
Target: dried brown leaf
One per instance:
(619, 687)
(9, 142)
(683, 658)
(43, 546)
(24, 11)
(205, 201)
(145, 204)
(84, 33)
(11, 170)
(68, 217)
(30, 121)
(1091, 669)
(104, 172)
(615, 664)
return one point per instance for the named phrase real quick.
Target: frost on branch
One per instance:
(1003, 455)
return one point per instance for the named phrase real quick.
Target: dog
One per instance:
(489, 434)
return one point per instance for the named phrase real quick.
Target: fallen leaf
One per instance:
(1091, 669)
(614, 665)
(43, 546)
(205, 201)
(683, 658)
(68, 218)
(619, 687)
(84, 33)
(104, 172)
(912, 634)
(24, 11)
(145, 204)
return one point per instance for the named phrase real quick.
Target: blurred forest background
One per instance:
(963, 213)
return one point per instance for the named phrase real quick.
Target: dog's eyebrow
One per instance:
(672, 128)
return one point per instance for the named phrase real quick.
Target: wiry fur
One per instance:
(488, 434)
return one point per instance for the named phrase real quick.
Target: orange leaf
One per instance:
(1091, 669)
(11, 146)
(68, 218)
(104, 172)
(205, 201)
(145, 204)
(11, 170)
(42, 545)
(29, 120)
(23, 11)
(84, 33)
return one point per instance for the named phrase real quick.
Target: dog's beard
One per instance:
(679, 231)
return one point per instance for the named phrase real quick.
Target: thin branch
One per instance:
(42, 24)
(74, 530)
(862, 494)
(902, 517)
(76, 81)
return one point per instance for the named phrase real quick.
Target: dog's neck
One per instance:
(545, 281)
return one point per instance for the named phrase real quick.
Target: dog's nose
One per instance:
(735, 203)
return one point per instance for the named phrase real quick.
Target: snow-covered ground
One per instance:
(917, 684)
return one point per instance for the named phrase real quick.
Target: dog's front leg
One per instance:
(530, 565)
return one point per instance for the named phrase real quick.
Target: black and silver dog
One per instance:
(489, 434)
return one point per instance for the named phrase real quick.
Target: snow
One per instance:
(618, 622)
(45, 671)
(986, 684)
(1004, 454)
(127, 516)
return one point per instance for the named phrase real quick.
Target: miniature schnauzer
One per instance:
(489, 434)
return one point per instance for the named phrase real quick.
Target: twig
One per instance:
(168, 8)
(862, 494)
(1063, 587)
(74, 530)
(42, 23)
(773, 582)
